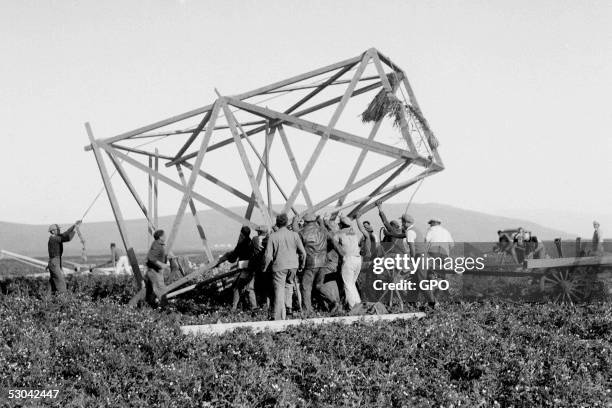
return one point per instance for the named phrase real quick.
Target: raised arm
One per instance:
(389, 229)
(69, 233)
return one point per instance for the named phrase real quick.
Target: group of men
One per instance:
(523, 245)
(310, 254)
(315, 255)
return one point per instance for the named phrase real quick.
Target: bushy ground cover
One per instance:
(99, 352)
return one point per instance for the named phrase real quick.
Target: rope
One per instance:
(412, 196)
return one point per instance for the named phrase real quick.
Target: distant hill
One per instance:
(465, 225)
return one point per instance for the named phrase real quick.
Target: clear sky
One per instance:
(518, 93)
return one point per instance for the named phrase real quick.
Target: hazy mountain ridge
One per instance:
(464, 225)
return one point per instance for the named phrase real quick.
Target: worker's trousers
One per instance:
(155, 286)
(56, 279)
(327, 288)
(123, 264)
(245, 282)
(283, 282)
(308, 280)
(351, 266)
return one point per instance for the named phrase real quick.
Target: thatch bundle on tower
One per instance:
(385, 103)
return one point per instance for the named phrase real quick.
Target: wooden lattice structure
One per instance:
(242, 128)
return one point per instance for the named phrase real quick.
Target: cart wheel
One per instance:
(565, 286)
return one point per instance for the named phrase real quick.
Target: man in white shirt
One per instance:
(439, 241)
(119, 259)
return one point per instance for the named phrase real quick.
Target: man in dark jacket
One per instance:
(314, 237)
(242, 252)
(55, 247)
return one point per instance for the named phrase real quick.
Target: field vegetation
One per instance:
(99, 352)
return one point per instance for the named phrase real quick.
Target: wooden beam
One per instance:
(319, 89)
(261, 159)
(605, 260)
(218, 182)
(260, 170)
(196, 219)
(156, 189)
(180, 188)
(360, 160)
(294, 165)
(396, 189)
(150, 228)
(276, 122)
(192, 178)
(188, 278)
(132, 190)
(298, 78)
(194, 134)
(141, 152)
(115, 207)
(157, 125)
(380, 187)
(247, 165)
(356, 185)
(255, 92)
(205, 282)
(334, 134)
(267, 162)
(191, 129)
(329, 83)
(330, 126)
(281, 325)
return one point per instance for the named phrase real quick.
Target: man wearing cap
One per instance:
(285, 252)
(55, 247)
(314, 237)
(407, 233)
(346, 242)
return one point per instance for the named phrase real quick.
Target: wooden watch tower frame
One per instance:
(195, 143)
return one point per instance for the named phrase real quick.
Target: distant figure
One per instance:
(519, 244)
(536, 249)
(598, 240)
(286, 253)
(55, 247)
(119, 259)
(504, 246)
(156, 263)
